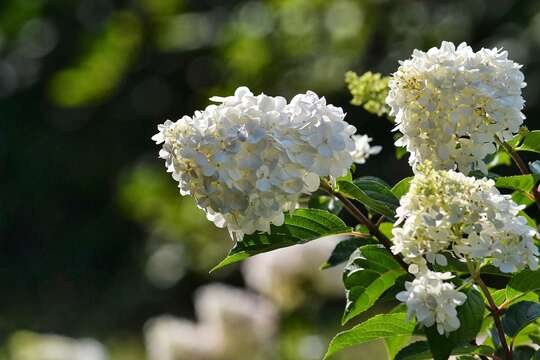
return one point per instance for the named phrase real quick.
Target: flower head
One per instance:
(232, 324)
(249, 158)
(450, 103)
(446, 211)
(363, 150)
(433, 301)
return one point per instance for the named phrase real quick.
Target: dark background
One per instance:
(84, 201)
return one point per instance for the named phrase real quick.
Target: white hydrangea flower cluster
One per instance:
(449, 103)
(433, 301)
(448, 211)
(249, 158)
(232, 324)
(363, 150)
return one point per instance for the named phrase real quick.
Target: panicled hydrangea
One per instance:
(369, 91)
(448, 211)
(449, 103)
(363, 150)
(249, 158)
(433, 301)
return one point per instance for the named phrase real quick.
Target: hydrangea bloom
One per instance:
(450, 102)
(433, 301)
(232, 324)
(363, 150)
(249, 158)
(448, 211)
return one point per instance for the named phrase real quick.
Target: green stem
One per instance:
(364, 220)
(520, 164)
(495, 311)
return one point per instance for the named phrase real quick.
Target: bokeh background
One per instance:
(94, 237)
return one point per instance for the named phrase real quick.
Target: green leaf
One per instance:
(350, 190)
(299, 227)
(523, 282)
(499, 158)
(420, 351)
(530, 221)
(531, 142)
(401, 151)
(517, 182)
(470, 315)
(363, 296)
(402, 187)
(343, 250)
(523, 353)
(516, 140)
(520, 315)
(522, 198)
(395, 344)
(377, 189)
(378, 327)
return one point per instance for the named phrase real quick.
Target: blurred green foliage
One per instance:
(102, 66)
(90, 222)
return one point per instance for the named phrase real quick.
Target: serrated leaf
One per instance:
(402, 187)
(523, 183)
(367, 276)
(378, 327)
(352, 191)
(343, 250)
(520, 315)
(420, 351)
(301, 226)
(531, 142)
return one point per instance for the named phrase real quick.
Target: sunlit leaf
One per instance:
(378, 327)
(517, 182)
(402, 187)
(299, 227)
(531, 142)
(367, 276)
